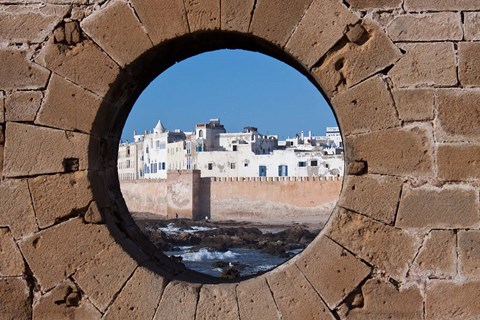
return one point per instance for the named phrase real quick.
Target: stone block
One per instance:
(217, 302)
(441, 5)
(117, 31)
(472, 25)
(414, 104)
(275, 21)
(374, 242)
(18, 73)
(331, 270)
(16, 210)
(236, 15)
(452, 300)
(384, 301)
(458, 162)
(469, 65)
(374, 196)
(406, 151)
(203, 14)
(70, 107)
(469, 253)
(11, 260)
(255, 301)
(33, 150)
(15, 299)
(438, 256)
(23, 105)
(366, 107)
(163, 20)
(374, 4)
(178, 293)
(55, 254)
(349, 63)
(431, 207)
(322, 26)
(65, 302)
(426, 27)
(415, 68)
(2, 107)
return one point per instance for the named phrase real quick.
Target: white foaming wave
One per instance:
(265, 267)
(205, 255)
(171, 229)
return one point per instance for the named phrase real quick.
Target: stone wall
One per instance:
(402, 77)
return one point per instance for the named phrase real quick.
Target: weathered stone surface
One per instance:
(17, 72)
(414, 104)
(295, 297)
(255, 301)
(276, 20)
(426, 27)
(163, 19)
(415, 68)
(11, 260)
(236, 14)
(469, 253)
(2, 107)
(438, 256)
(322, 26)
(217, 301)
(469, 65)
(441, 5)
(16, 210)
(406, 151)
(451, 300)
(431, 207)
(178, 294)
(349, 63)
(384, 301)
(332, 271)
(457, 162)
(203, 14)
(374, 242)
(366, 107)
(32, 150)
(15, 299)
(372, 195)
(472, 25)
(93, 214)
(375, 4)
(23, 105)
(64, 302)
(139, 297)
(55, 253)
(118, 32)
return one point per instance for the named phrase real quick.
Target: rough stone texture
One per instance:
(163, 20)
(415, 68)
(295, 297)
(322, 26)
(16, 210)
(64, 302)
(16, 72)
(431, 207)
(236, 14)
(374, 4)
(118, 32)
(469, 66)
(374, 242)
(469, 253)
(23, 105)
(426, 27)
(2, 107)
(405, 151)
(374, 196)
(276, 20)
(203, 14)
(11, 260)
(56, 253)
(441, 5)
(472, 25)
(15, 298)
(336, 263)
(351, 62)
(366, 107)
(451, 300)
(255, 301)
(457, 162)
(438, 256)
(139, 298)
(182, 293)
(414, 104)
(384, 301)
(217, 301)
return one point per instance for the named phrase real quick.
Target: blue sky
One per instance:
(241, 88)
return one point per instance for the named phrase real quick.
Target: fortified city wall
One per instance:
(402, 77)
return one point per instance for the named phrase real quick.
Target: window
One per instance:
(246, 164)
(262, 171)
(163, 165)
(302, 164)
(210, 166)
(327, 166)
(200, 133)
(314, 163)
(234, 148)
(199, 148)
(232, 165)
(283, 171)
(128, 151)
(128, 163)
